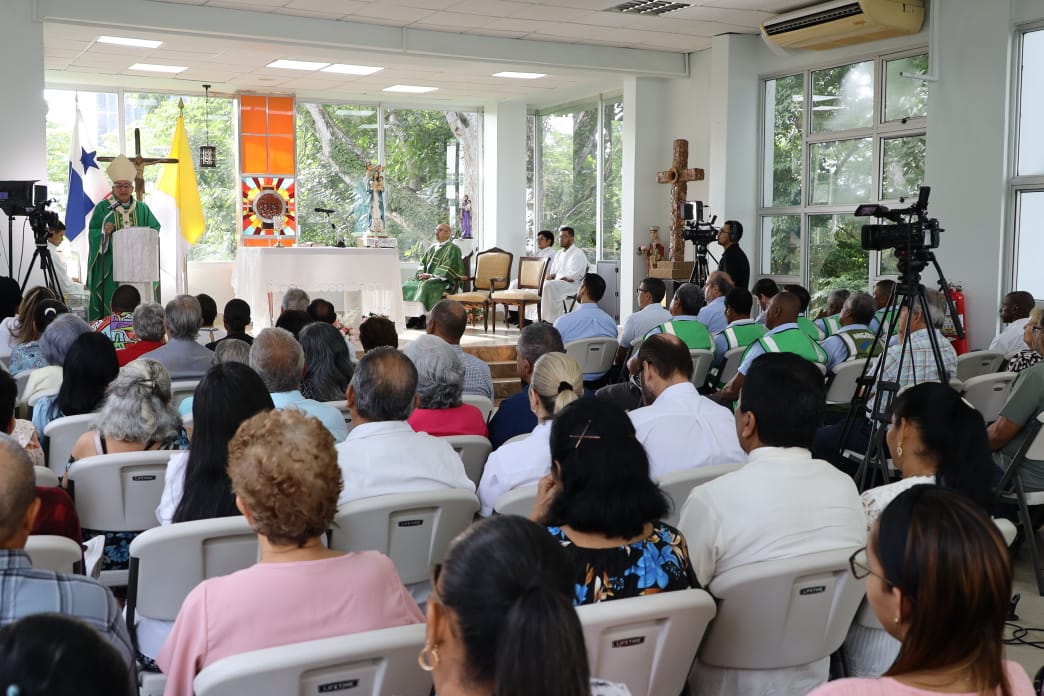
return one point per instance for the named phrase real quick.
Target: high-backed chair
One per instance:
(978, 362)
(678, 484)
(480, 402)
(62, 434)
(988, 393)
(1010, 488)
(374, 663)
(473, 450)
(842, 384)
(701, 363)
(531, 273)
(492, 273)
(413, 529)
(649, 642)
(594, 355)
(182, 389)
(519, 501)
(51, 552)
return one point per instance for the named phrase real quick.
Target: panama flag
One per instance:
(87, 184)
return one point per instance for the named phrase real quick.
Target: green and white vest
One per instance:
(793, 341)
(742, 334)
(810, 329)
(860, 343)
(693, 333)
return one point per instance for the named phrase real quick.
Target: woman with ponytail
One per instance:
(599, 503)
(500, 620)
(557, 382)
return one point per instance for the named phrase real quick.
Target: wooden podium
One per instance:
(135, 259)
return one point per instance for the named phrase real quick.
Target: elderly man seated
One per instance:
(149, 327)
(279, 359)
(852, 338)
(515, 415)
(449, 320)
(183, 357)
(440, 409)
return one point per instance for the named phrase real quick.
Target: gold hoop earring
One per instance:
(899, 450)
(428, 658)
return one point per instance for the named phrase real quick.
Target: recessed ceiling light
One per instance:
(296, 65)
(158, 68)
(122, 41)
(412, 89)
(346, 69)
(520, 75)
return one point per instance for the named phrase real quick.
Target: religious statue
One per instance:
(375, 198)
(653, 251)
(465, 217)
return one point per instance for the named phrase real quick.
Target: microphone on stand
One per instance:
(328, 211)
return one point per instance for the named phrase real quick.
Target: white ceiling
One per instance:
(534, 35)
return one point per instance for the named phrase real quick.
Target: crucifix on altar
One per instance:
(678, 177)
(140, 163)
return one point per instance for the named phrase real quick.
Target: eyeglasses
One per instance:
(859, 564)
(640, 290)
(1035, 329)
(121, 186)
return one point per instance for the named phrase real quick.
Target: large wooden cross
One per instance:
(140, 163)
(678, 177)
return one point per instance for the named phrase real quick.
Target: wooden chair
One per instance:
(492, 273)
(531, 273)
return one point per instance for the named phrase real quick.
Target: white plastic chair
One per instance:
(375, 663)
(519, 501)
(473, 450)
(413, 529)
(978, 362)
(62, 434)
(45, 478)
(51, 552)
(842, 388)
(730, 364)
(118, 493)
(481, 403)
(649, 642)
(678, 484)
(182, 389)
(1010, 488)
(989, 393)
(701, 364)
(594, 355)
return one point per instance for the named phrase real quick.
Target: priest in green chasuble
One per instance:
(111, 214)
(440, 271)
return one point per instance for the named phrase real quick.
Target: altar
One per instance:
(357, 281)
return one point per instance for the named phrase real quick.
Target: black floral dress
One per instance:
(658, 563)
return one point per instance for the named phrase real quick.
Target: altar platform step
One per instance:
(496, 350)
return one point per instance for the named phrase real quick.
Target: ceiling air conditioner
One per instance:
(844, 22)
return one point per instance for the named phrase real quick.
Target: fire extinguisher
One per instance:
(949, 331)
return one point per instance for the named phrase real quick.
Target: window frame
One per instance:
(1018, 184)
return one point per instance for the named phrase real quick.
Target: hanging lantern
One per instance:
(207, 153)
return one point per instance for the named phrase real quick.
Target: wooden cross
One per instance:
(140, 163)
(678, 177)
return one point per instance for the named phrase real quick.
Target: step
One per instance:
(504, 387)
(507, 369)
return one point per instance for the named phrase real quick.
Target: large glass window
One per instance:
(612, 178)
(1027, 184)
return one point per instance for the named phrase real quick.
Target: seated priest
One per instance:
(440, 271)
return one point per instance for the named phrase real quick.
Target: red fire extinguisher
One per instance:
(949, 331)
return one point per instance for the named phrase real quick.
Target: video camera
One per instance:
(696, 230)
(911, 228)
(29, 199)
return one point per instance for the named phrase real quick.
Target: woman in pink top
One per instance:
(440, 387)
(938, 577)
(284, 473)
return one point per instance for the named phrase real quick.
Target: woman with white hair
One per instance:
(441, 410)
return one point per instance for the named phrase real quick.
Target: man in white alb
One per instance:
(563, 277)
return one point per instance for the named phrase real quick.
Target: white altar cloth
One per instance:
(368, 278)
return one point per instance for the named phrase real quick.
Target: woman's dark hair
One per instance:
(89, 366)
(26, 331)
(376, 331)
(952, 566)
(329, 364)
(293, 320)
(954, 436)
(228, 394)
(46, 312)
(57, 655)
(510, 586)
(10, 297)
(208, 308)
(236, 315)
(603, 471)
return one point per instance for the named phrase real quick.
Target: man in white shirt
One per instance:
(545, 244)
(1014, 311)
(74, 292)
(650, 314)
(563, 278)
(680, 429)
(383, 454)
(718, 285)
(781, 504)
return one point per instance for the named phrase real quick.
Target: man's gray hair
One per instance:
(149, 321)
(537, 339)
(184, 317)
(17, 486)
(295, 298)
(59, 336)
(862, 306)
(385, 384)
(278, 358)
(137, 405)
(231, 350)
(936, 308)
(690, 297)
(440, 372)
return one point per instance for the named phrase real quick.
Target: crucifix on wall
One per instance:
(140, 163)
(678, 177)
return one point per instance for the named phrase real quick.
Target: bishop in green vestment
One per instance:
(440, 271)
(111, 214)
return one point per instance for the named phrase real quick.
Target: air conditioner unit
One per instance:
(844, 22)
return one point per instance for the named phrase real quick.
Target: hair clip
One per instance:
(584, 436)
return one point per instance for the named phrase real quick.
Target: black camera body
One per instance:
(42, 221)
(695, 229)
(910, 228)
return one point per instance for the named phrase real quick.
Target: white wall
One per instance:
(503, 217)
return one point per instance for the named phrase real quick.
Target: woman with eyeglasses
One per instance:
(938, 578)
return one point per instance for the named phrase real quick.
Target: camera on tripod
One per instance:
(29, 199)
(695, 230)
(911, 228)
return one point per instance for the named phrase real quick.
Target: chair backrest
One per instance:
(45, 478)
(493, 269)
(62, 433)
(374, 663)
(782, 613)
(119, 492)
(594, 355)
(531, 272)
(413, 529)
(978, 362)
(649, 642)
(473, 450)
(22, 379)
(989, 393)
(678, 484)
(50, 552)
(701, 363)
(480, 402)
(843, 384)
(518, 501)
(731, 363)
(182, 389)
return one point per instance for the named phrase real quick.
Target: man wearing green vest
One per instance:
(803, 322)
(741, 329)
(687, 303)
(829, 321)
(882, 294)
(783, 336)
(854, 339)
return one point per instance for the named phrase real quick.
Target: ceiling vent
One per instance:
(648, 7)
(844, 22)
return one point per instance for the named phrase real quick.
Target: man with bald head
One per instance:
(440, 271)
(783, 336)
(25, 590)
(448, 320)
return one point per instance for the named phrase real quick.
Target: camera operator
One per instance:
(733, 260)
(75, 293)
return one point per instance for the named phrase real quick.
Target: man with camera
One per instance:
(733, 260)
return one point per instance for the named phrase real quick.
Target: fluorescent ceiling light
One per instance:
(158, 68)
(122, 41)
(296, 65)
(520, 75)
(346, 69)
(412, 89)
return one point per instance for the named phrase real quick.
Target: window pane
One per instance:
(612, 179)
(784, 115)
(902, 166)
(1031, 105)
(836, 259)
(531, 231)
(905, 97)
(843, 97)
(1030, 233)
(569, 142)
(781, 245)
(888, 265)
(841, 171)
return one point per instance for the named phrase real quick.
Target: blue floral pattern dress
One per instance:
(657, 563)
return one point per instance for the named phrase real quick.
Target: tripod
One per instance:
(700, 269)
(43, 254)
